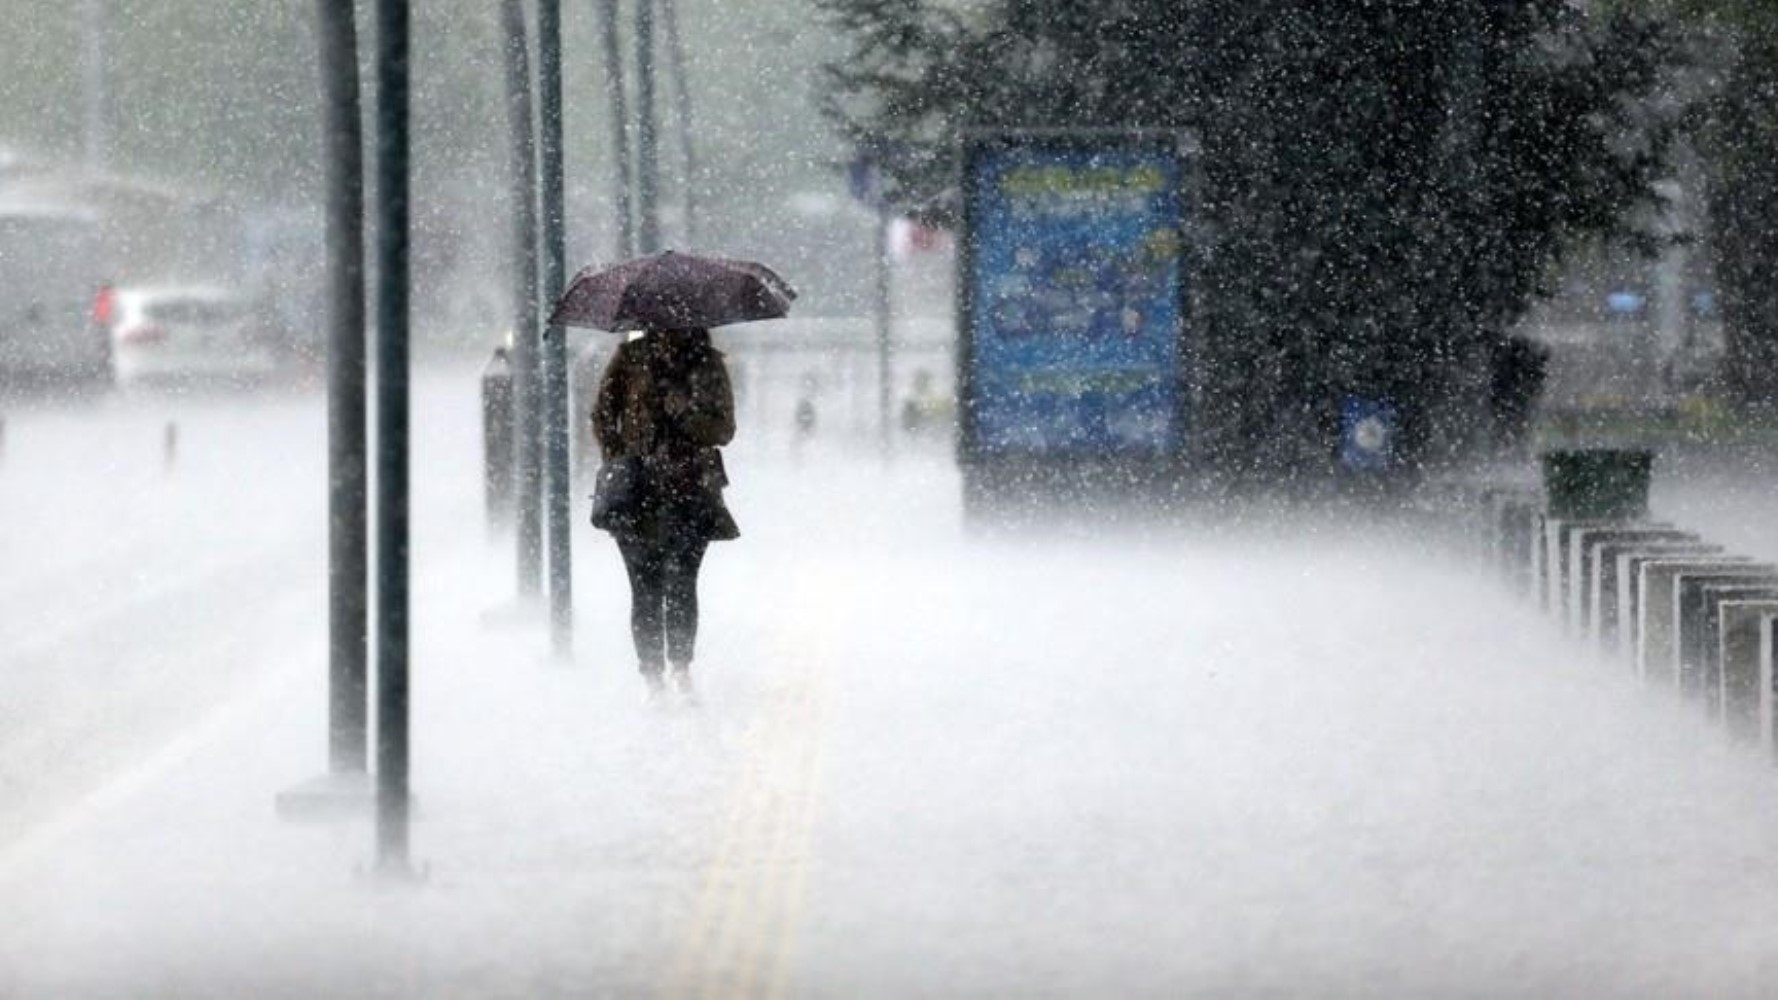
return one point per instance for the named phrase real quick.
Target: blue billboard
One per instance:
(1073, 292)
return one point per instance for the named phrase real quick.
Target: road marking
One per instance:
(69, 626)
(741, 939)
(223, 723)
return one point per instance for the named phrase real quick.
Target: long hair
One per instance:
(677, 351)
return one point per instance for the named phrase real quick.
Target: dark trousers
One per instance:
(663, 598)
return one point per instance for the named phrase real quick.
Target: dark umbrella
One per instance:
(672, 291)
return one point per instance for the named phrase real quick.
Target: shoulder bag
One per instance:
(618, 493)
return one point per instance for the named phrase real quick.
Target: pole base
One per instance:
(523, 611)
(393, 874)
(331, 797)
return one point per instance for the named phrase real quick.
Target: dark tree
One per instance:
(1736, 137)
(1387, 183)
(1741, 144)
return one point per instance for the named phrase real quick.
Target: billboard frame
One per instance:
(993, 476)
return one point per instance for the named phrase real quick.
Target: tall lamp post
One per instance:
(612, 47)
(95, 34)
(345, 788)
(526, 395)
(393, 799)
(648, 234)
(552, 213)
(682, 114)
(348, 532)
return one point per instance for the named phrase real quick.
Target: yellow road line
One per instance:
(802, 845)
(741, 938)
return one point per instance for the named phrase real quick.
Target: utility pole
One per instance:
(620, 126)
(393, 798)
(882, 310)
(647, 143)
(868, 186)
(345, 788)
(348, 527)
(525, 376)
(552, 211)
(682, 116)
(96, 32)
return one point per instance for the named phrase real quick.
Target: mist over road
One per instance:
(1309, 755)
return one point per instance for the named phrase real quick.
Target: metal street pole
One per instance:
(555, 339)
(345, 790)
(620, 126)
(647, 142)
(682, 114)
(881, 311)
(525, 369)
(96, 29)
(393, 800)
(348, 527)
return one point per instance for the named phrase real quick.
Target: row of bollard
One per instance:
(1675, 609)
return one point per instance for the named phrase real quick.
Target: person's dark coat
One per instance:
(666, 397)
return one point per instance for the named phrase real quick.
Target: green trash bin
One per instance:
(1597, 484)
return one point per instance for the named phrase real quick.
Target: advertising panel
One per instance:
(1073, 297)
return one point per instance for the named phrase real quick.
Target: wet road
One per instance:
(1243, 756)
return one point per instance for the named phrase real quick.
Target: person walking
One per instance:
(666, 401)
(665, 406)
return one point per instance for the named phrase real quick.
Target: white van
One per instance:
(51, 269)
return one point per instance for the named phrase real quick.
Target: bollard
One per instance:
(1497, 508)
(1615, 596)
(170, 446)
(1539, 565)
(1583, 545)
(1695, 622)
(1657, 610)
(1518, 532)
(1768, 685)
(1628, 597)
(1701, 619)
(1559, 534)
(1688, 607)
(1598, 611)
(1739, 625)
(498, 472)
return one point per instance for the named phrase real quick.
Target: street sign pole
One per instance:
(648, 233)
(866, 182)
(555, 339)
(883, 312)
(612, 46)
(96, 31)
(682, 114)
(393, 800)
(348, 465)
(526, 394)
(345, 790)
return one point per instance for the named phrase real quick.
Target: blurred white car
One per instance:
(189, 333)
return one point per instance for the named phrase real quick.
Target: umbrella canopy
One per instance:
(672, 291)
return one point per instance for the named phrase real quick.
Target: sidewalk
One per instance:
(1260, 763)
